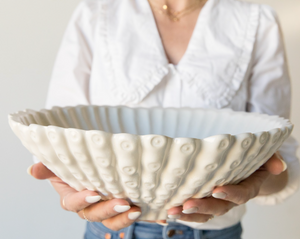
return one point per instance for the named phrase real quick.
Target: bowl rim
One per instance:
(14, 117)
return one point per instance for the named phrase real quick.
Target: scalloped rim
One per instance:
(281, 120)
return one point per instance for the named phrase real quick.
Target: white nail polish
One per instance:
(175, 216)
(92, 199)
(134, 215)
(29, 170)
(219, 195)
(190, 210)
(284, 165)
(121, 208)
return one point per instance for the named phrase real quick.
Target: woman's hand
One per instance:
(117, 213)
(114, 214)
(267, 180)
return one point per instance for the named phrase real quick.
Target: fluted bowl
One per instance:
(156, 158)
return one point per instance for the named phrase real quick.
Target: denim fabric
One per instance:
(141, 230)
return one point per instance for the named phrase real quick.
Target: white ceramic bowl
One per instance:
(157, 158)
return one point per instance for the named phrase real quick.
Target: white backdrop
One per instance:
(30, 34)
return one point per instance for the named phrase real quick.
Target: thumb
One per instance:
(275, 165)
(40, 171)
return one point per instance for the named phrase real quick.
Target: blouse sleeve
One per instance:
(69, 83)
(270, 93)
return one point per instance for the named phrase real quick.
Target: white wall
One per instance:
(30, 33)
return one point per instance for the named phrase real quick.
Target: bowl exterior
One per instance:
(154, 172)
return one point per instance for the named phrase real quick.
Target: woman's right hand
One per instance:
(115, 214)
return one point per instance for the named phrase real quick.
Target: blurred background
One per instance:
(30, 34)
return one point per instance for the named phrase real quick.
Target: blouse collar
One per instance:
(214, 64)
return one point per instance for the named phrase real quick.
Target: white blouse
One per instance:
(112, 54)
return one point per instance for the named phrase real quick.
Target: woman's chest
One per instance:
(173, 90)
(130, 66)
(175, 34)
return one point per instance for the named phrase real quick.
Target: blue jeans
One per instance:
(143, 230)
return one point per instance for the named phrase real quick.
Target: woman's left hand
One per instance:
(266, 180)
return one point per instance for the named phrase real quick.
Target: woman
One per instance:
(179, 53)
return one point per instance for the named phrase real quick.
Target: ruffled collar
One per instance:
(214, 64)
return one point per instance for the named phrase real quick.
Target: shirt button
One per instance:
(122, 235)
(171, 233)
(107, 236)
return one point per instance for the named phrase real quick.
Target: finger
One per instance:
(209, 206)
(40, 171)
(191, 216)
(123, 220)
(275, 165)
(244, 191)
(75, 201)
(175, 212)
(105, 209)
(157, 221)
(72, 200)
(196, 217)
(161, 222)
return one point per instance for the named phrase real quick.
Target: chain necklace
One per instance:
(175, 16)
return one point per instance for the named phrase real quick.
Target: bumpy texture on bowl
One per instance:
(157, 158)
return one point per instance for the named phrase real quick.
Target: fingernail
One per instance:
(134, 215)
(175, 216)
(284, 165)
(282, 161)
(211, 217)
(121, 208)
(190, 210)
(29, 170)
(92, 199)
(219, 195)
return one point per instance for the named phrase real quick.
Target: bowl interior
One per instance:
(171, 122)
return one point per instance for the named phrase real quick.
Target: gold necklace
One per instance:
(176, 15)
